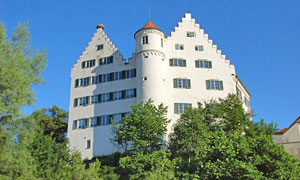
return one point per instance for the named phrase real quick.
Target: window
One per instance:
(105, 120)
(99, 47)
(130, 93)
(117, 118)
(76, 83)
(87, 64)
(106, 60)
(203, 64)
(145, 39)
(247, 102)
(199, 48)
(180, 107)
(75, 124)
(83, 123)
(178, 62)
(214, 84)
(88, 144)
(190, 34)
(132, 73)
(239, 93)
(182, 83)
(94, 99)
(95, 121)
(105, 97)
(117, 95)
(75, 102)
(83, 101)
(94, 80)
(85, 81)
(179, 47)
(161, 42)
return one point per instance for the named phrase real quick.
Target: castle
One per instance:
(179, 71)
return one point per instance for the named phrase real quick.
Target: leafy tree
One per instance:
(143, 129)
(219, 141)
(155, 165)
(52, 121)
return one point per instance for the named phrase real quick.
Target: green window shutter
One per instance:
(209, 64)
(111, 96)
(183, 63)
(176, 108)
(201, 48)
(124, 94)
(87, 98)
(88, 81)
(197, 64)
(76, 82)
(188, 84)
(99, 98)
(171, 62)
(100, 78)
(75, 102)
(208, 84)
(175, 84)
(111, 76)
(134, 92)
(221, 85)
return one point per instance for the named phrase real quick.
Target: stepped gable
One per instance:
(188, 17)
(99, 37)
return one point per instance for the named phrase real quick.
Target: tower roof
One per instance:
(149, 25)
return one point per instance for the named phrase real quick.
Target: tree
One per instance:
(143, 129)
(219, 141)
(52, 121)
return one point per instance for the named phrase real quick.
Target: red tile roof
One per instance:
(149, 25)
(282, 131)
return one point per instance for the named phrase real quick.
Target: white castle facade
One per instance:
(179, 71)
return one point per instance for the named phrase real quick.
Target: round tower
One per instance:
(151, 64)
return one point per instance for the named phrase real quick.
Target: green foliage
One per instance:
(143, 129)
(155, 165)
(52, 121)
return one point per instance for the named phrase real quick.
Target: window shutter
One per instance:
(134, 72)
(87, 99)
(176, 108)
(209, 64)
(86, 123)
(88, 81)
(188, 84)
(123, 74)
(207, 84)
(111, 59)
(111, 96)
(171, 62)
(197, 63)
(183, 63)
(112, 76)
(221, 85)
(175, 84)
(99, 98)
(124, 94)
(100, 78)
(134, 92)
(83, 64)
(76, 83)
(75, 102)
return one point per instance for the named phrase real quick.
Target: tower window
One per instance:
(99, 47)
(190, 34)
(162, 42)
(145, 39)
(199, 48)
(88, 144)
(179, 47)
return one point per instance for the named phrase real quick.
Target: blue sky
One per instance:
(261, 38)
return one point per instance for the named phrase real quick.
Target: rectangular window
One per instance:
(190, 34)
(178, 62)
(117, 118)
(247, 102)
(180, 107)
(117, 95)
(214, 84)
(75, 124)
(75, 102)
(99, 47)
(83, 123)
(103, 78)
(83, 101)
(105, 120)
(105, 97)
(87, 64)
(106, 60)
(179, 47)
(161, 42)
(145, 39)
(83, 64)
(182, 83)
(130, 93)
(199, 48)
(203, 64)
(95, 80)
(95, 121)
(76, 83)
(88, 144)
(94, 99)
(239, 93)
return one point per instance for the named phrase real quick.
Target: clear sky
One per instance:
(260, 37)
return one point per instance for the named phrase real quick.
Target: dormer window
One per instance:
(145, 39)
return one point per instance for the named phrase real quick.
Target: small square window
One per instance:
(179, 47)
(190, 34)
(199, 48)
(99, 47)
